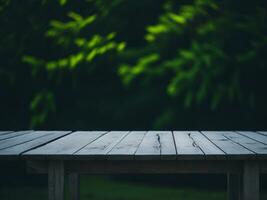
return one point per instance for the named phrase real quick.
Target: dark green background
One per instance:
(160, 64)
(95, 95)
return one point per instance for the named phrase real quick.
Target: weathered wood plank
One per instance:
(252, 145)
(74, 186)
(233, 186)
(150, 146)
(56, 180)
(263, 166)
(251, 175)
(126, 148)
(136, 145)
(12, 134)
(101, 146)
(255, 136)
(262, 132)
(22, 139)
(206, 145)
(21, 148)
(66, 146)
(210, 150)
(157, 145)
(186, 146)
(5, 132)
(231, 148)
(167, 146)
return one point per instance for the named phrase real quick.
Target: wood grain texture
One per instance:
(246, 142)
(157, 145)
(74, 186)
(99, 148)
(66, 146)
(263, 166)
(206, 145)
(12, 134)
(5, 132)
(56, 180)
(232, 149)
(255, 136)
(186, 145)
(22, 139)
(130, 145)
(262, 132)
(233, 186)
(251, 175)
(141, 152)
(26, 146)
(127, 147)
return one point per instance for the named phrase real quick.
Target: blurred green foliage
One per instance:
(67, 35)
(106, 188)
(164, 64)
(209, 48)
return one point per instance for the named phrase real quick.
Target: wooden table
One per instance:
(240, 155)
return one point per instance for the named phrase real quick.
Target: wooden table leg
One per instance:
(74, 186)
(233, 187)
(251, 182)
(56, 180)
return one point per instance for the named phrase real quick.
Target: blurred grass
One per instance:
(103, 188)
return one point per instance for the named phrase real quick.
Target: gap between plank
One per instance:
(134, 154)
(26, 141)
(239, 144)
(213, 143)
(251, 137)
(46, 142)
(174, 144)
(91, 142)
(119, 141)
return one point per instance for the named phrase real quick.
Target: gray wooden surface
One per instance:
(156, 145)
(134, 145)
(4, 132)
(26, 137)
(67, 145)
(99, 148)
(228, 146)
(6, 135)
(127, 147)
(241, 154)
(31, 144)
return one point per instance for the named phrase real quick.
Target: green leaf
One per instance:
(160, 28)
(62, 2)
(75, 16)
(121, 46)
(177, 18)
(111, 36)
(188, 99)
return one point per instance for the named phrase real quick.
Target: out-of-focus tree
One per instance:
(210, 51)
(67, 47)
(64, 64)
(81, 43)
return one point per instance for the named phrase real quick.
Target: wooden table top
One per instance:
(133, 145)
